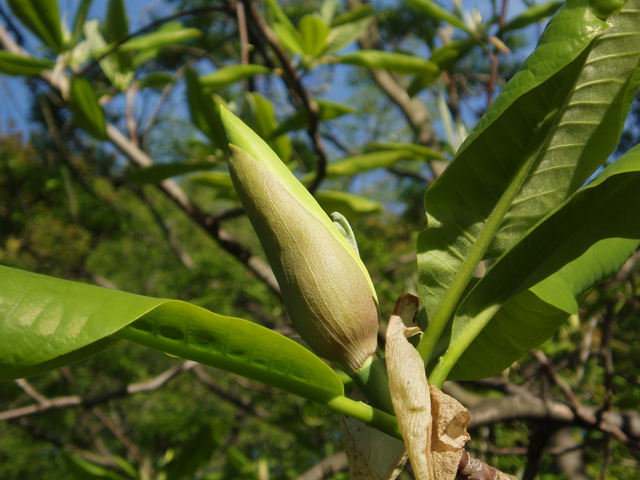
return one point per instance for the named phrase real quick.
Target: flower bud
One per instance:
(325, 287)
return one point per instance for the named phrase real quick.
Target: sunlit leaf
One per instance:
(396, 62)
(228, 75)
(87, 112)
(42, 18)
(14, 64)
(161, 171)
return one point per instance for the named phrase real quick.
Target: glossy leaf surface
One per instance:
(45, 320)
(607, 208)
(473, 195)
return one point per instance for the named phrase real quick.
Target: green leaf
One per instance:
(290, 38)
(204, 111)
(419, 150)
(156, 80)
(170, 34)
(328, 111)
(80, 469)
(467, 204)
(314, 33)
(162, 171)
(219, 181)
(42, 18)
(116, 23)
(443, 57)
(328, 10)
(362, 163)
(531, 15)
(274, 9)
(349, 205)
(79, 19)
(228, 75)
(434, 10)
(264, 123)
(608, 208)
(586, 131)
(85, 109)
(353, 15)
(396, 62)
(345, 34)
(115, 28)
(45, 321)
(13, 64)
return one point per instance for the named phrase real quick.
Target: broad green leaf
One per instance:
(314, 33)
(264, 123)
(274, 9)
(156, 80)
(349, 205)
(170, 34)
(204, 111)
(290, 38)
(363, 163)
(81, 469)
(608, 208)
(87, 112)
(419, 150)
(396, 62)
(467, 203)
(228, 75)
(434, 10)
(42, 18)
(531, 15)
(328, 10)
(528, 319)
(161, 171)
(115, 28)
(13, 64)
(79, 19)
(116, 23)
(328, 111)
(587, 128)
(353, 15)
(45, 321)
(345, 34)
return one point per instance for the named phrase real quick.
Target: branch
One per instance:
(471, 468)
(45, 404)
(171, 189)
(326, 467)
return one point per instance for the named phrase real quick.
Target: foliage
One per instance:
(521, 267)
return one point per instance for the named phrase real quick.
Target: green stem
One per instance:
(373, 382)
(371, 416)
(456, 289)
(455, 351)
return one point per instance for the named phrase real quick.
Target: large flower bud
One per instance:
(325, 286)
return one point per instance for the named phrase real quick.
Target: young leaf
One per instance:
(328, 111)
(419, 150)
(434, 10)
(78, 20)
(14, 64)
(528, 319)
(531, 15)
(290, 38)
(353, 15)
(351, 206)
(467, 204)
(115, 28)
(314, 33)
(599, 211)
(204, 111)
(328, 10)
(228, 75)
(161, 171)
(363, 163)
(42, 18)
(170, 34)
(47, 323)
(264, 124)
(343, 35)
(87, 112)
(396, 62)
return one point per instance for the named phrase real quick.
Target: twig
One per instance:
(76, 400)
(495, 58)
(244, 37)
(132, 125)
(471, 468)
(310, 105)
(326, 467)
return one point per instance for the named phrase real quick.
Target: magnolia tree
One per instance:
(518, 231)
